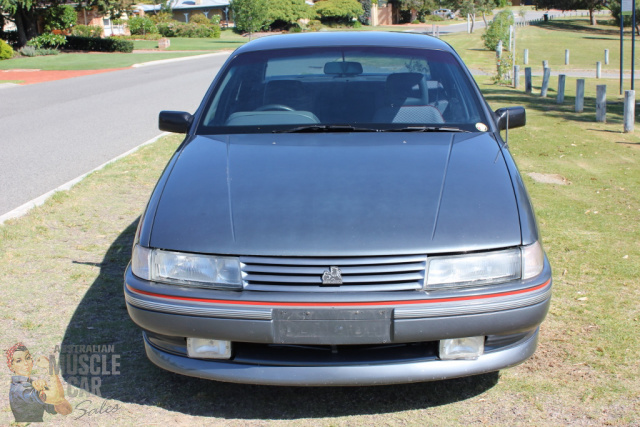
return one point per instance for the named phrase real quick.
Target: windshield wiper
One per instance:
(325, 128)
(426, 129)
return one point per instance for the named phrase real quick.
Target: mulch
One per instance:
(38, 76)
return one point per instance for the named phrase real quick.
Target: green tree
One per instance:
(59, 17)
(24, 14)
(113, 9)
(422, 7)
(590, 5)
(498, 30)
(615, 8)
(343, 11)
(474, 7)
(249, 15)
(286, 13)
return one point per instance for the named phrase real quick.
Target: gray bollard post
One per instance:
(598, 69)
(516, 76)
(561, 82)
(601, 103)
(606, 57)
(579, 95)
(433, 30)
(629, 110)
(528, 87)
(545, 64)
(526, 57)
(566, 57)
(545, 82)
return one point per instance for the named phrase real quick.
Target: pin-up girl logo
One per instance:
(29, 397)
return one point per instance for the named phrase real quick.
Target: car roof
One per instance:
(352, 38)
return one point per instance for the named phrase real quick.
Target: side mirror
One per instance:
(515, 116)
(174, 121)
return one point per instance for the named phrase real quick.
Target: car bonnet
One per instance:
(338, 194)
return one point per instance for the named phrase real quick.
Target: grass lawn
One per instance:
(87, 61)
(548, 41)
(61, 266)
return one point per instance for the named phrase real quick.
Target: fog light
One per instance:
(201, 348)
(462, 348)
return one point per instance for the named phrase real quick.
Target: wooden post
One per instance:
(598, 69)
(601, 103)
(606, 57)
(516, 76)
(528, 88)
(545, 82)
(560, 96)
(545, 63)
(433, 30)
(629, 110)
(566, 57)
(579, 95)
(526, 57)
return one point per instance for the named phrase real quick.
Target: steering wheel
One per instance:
(274, 107)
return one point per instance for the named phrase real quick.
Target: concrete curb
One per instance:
(183, 58)
(23, 209)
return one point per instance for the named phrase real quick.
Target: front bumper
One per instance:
(345, 374)
(509, 318)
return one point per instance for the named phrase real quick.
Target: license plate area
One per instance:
(332, 326)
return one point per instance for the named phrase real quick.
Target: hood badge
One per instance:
(332, 276)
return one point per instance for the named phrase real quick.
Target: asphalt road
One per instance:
(53, 132)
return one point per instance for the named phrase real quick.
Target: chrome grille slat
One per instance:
(359, 274)
(371, 269)
(376, 278)
(336, 261)
(344, 288)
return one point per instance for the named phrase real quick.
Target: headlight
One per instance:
(485, 268)
(205, 271)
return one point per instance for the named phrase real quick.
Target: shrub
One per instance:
(433, 18)
(142, 25)
(48, 40)
(28, 51)
(498, 30)
(162, 17)
(339, 10)
(95, 44)
(6, 51)
(32, 51)
(314, 25)
(191, 30)
(200, 19)
(87, 31)
(286, 13)
(59, 17)
(215, 19)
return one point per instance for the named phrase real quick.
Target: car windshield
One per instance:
(343, 89)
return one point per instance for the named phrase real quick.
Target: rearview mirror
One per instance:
(515, 117)
(174, 121)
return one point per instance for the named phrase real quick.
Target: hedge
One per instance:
(99, 45)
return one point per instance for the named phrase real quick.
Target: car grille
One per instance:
(359, 274)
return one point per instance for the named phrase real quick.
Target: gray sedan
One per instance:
(343, 211)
